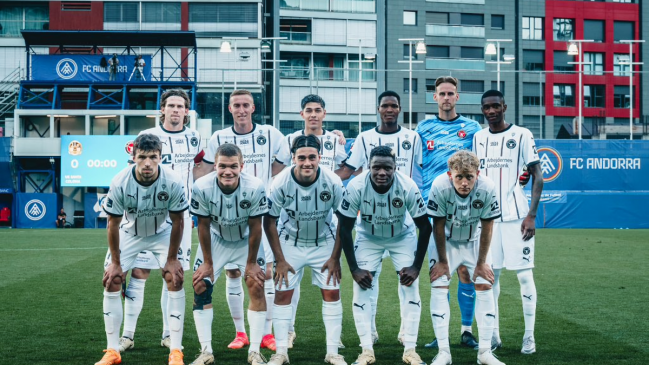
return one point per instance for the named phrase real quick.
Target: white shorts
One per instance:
(508, 249)
(131, 246)
(370, 250)
(457, 253)
(264, 245)
(145, 259)
(233, 252)
(301, 257)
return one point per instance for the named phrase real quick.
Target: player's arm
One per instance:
(482, 269)
(114, 270)
(441, 267)
(196, 173)
(281, 266)
(528, 228)
(410, 274)
(173, 266)
(202, 169)
(253, 270)
(341, 136)
(346, 171)
(206, 268)
(277, 167)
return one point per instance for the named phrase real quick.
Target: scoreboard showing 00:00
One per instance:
(93, 160)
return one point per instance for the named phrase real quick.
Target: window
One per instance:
(405, 85)
(75, 5)
(533, 60)
(471, 86)
(597, 63)
(352, 61)
(621, 96)
(224, 19)
(622, 1)
(532, 94)
(563, 29)
(436, 18)
(623, 31)
(472, 19)
(14, 18)
(494, 57)
(561, 59)
(619, 69)
(406, 118)
(494, 86)
(409, 17)
(121, 16)
(347, 6)
(406, 51)
(472, 52)
(497, 21)
(437, 51)
(533, 28)
(564, 95)
(430, 91)
(594, 96)
(594, 29)
(160, 16)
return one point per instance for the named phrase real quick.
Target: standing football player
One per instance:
(152, 201)
(504, 150)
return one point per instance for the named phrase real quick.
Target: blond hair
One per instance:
(242, 92)
(464, 161)
(446, 79)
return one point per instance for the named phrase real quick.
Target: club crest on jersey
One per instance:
(461, 133)
(406, 145)
(261, 262)
(526, 251)
(193, 141)
(477, 204)
(194, 204)
(328, 145)
(163, 196)
(430, 145)
(261, 140)
(511, 144)
(325, 196)
(397, 202)
(244, 204)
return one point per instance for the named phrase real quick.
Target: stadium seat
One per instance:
(5, 216)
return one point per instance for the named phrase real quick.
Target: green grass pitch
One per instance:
(592, 287)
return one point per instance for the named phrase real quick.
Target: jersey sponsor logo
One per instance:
(109, 202)
(551, 163)
(163, 196)
(477, 204)
(182, 199)
(511, 144)
(129, 147)
(432, 205)
(193, 141)
(131, 210)
(290, 213)
(461, 133)
(462, 207)
(305, 198)
(406, 145)
(397, 202)
(494, 206)
(328, 145)
(526, 251)
(420, 200)
(244, 204)
(262, 202)
(325, 196)
(261, 140)
(367, 218)
(344, 204)
(430, 145)
(35, 210)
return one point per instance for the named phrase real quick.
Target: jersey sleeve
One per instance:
(417, 154)
(114, 203)
(275, 199)
(357, 154)
(340, 156)
(338, 191)
(416, 205)
(491, 209)
(283, 155)
(199, 206)
(350, 202)
(259, 205)
(210, 150)
(178, 199)
(277, 138)
(436, 202)
(528, 149)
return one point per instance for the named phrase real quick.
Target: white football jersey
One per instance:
(463, 215)
(383, 215)
(405, 143)
(332, 153)
(178, 151)
(502, 158)
(145, 208)
(305, 212)
(258, 148)
(229, 213)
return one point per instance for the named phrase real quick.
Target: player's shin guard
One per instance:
(281, 321)
(269, 292)
(133, 301)
(466, 300)
(203, 318)
(332, 315)
(496, 291)
(528, 296)
(234, 293)
(362, 310)
(176, 309)
(411, 311)
(257, 320)
(485, 316)
(295, 300)
(440, 312)
(164, 299)
(112, 318)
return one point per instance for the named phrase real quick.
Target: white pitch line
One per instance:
(53, 249)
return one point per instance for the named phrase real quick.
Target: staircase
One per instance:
(9, 87)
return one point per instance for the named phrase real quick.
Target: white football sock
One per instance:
(374, 299)
(281, 321)
(441, 314)
(234, 293)
(176, 309)
(411, 306)
(133, 301)
(164, 298)
(269, 292)
(402, 305)
(485, 316)
(256, 321)
(362, 309)
(528, 296)
(112, 318)
(203, 319)
(496, 290)
(332, 315)
(295, 300)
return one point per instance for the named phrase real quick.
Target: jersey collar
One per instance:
(503, 131)
(254, 126)
(233, 191)
(139, 183)
(450, 120)
(317, 176)
(395, 132)
(173, 132)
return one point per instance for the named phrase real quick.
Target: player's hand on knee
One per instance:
(113, 276)
(255, 274)
(335, 273)
(408, 275)
(363, 278)
(484, 271)
(281, 273)
(205, 270)
(528, 228)
(438, 270)
(173, 272)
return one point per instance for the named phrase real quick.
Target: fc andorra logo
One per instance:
(67, 68)
(551, 163)
(75, 148)
(35, 210)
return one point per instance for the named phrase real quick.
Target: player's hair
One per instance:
(382, 151)
(305, 141)
(147, 142)
(228, 150)
(312, 98)
(174, 92)
(390, 93)
(489, 93)
(446, 79)
(464, 161)
(241, 92)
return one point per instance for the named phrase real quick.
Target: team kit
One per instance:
(269, 206)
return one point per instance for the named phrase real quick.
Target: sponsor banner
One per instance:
(88, 68)
(36, 210)
(92, 210)
(93, 160)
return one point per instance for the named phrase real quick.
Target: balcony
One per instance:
(455, 64)
(296, 37)
(477, 2)
(326, 74)
(464, 31)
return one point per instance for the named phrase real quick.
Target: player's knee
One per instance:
(525, 276)
(463, 274)
(330, 295)
(482, 287)
(140, 273)
(283, 297)
(254, 290)
(235, 273)
(203, 294)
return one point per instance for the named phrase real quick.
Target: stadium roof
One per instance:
(109, 38)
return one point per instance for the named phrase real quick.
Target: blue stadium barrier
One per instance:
(36, 210)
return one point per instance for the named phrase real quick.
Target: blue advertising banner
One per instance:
(94, 216)
(93, 160)
(123, 68)
(36, 210)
